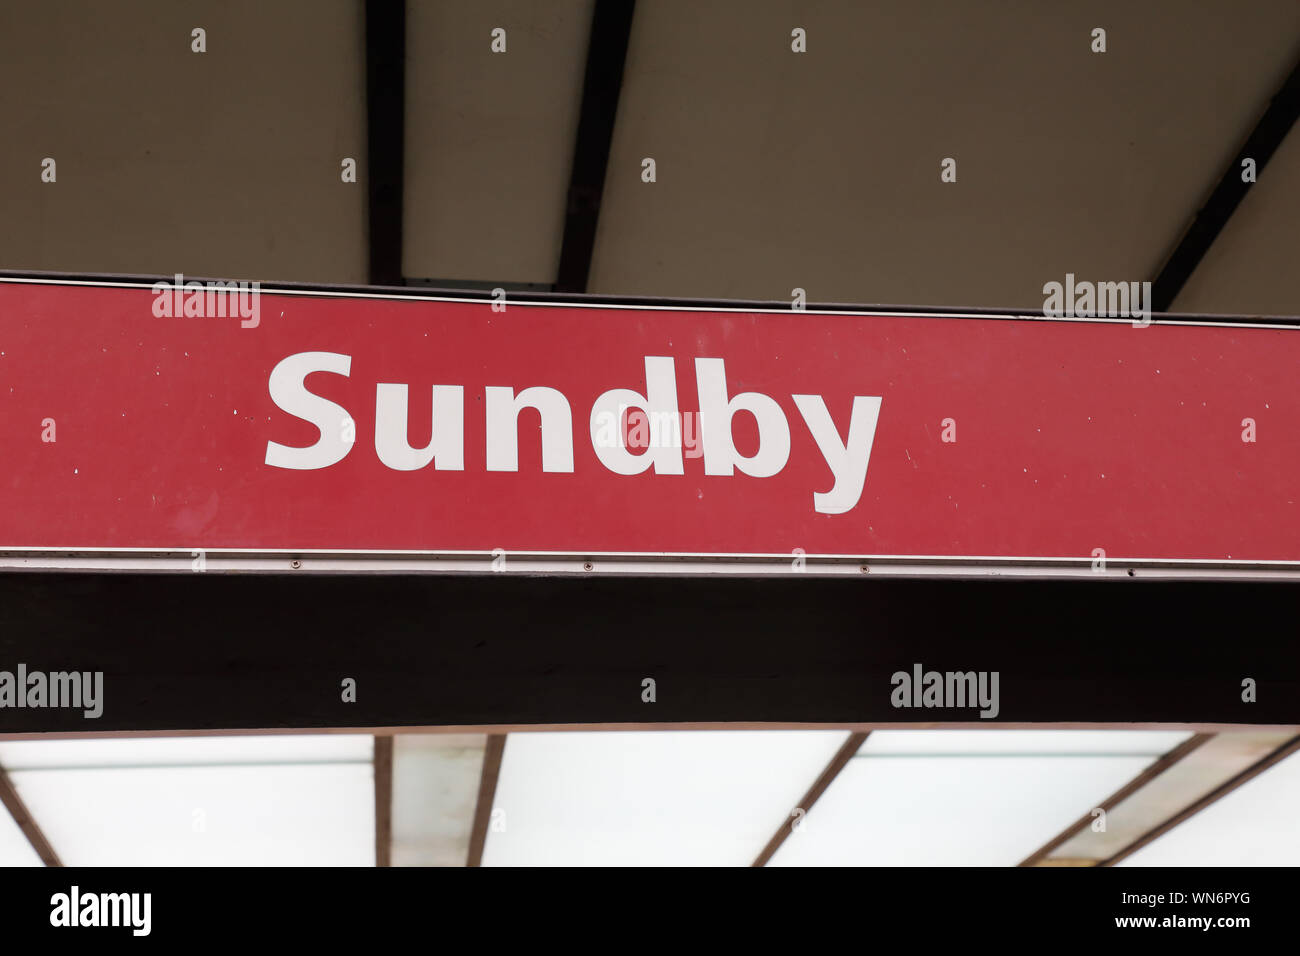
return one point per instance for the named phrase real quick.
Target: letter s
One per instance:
(289, 392)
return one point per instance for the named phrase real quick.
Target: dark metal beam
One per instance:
(1218, 209)
(383, 800)
(487, 792)
(611, 26)
(18, 810)
(550, 661)
(841, 760)
(385, 135)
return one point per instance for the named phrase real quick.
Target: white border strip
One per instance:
(618, 564)
(756, 309)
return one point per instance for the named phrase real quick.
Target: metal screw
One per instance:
(295, 565)
(587, 566)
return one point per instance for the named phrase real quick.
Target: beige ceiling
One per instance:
(775, 170)
(822, 170)
(489, 136)
(224, 163)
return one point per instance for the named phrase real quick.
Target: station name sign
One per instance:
(352, 423)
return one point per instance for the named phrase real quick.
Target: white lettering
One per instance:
(289, 392)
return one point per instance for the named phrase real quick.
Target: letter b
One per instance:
(716, 412)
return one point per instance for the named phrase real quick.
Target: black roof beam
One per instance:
(611, 27)
(1218, 209)
(385, 136)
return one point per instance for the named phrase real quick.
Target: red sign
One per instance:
(133, 417)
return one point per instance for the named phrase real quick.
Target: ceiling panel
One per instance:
(686, 798)
(1255, 825)
(206, 816)
(965, 798)
(201, 801)
(223, 163)
(821, 170)
(489, 136)
(1198, 773)
(949, 811)
(435, 793)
